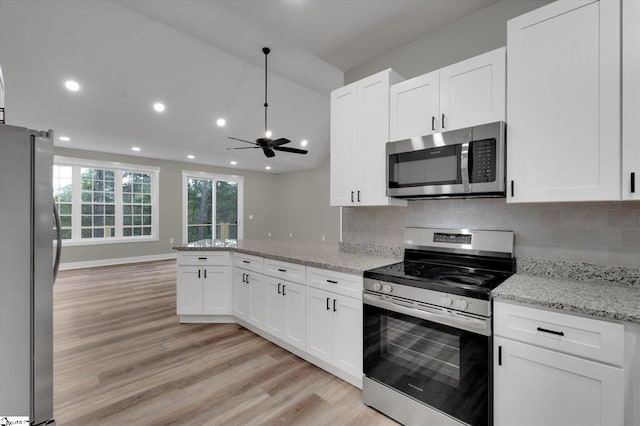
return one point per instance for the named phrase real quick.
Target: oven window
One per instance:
(442, 366)
(421, 348)
(436, 166)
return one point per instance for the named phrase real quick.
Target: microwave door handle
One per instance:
(464, 166)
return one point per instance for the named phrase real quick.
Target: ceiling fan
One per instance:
(268, 145)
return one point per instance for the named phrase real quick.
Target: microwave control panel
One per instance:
(482, 161)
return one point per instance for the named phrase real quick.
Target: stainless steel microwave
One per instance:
(460, 163)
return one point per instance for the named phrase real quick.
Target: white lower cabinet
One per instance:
(542, 375)
(204, 289)
(334, 330)
(285, 311)
(248, 296)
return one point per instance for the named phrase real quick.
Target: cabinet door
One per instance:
(347, 335)
(275, 306)
(374, 127)
(631, 100)
(189, 291)
(563, 97)
(473, 92)
(414, 107)
(295, 324)
(241, 303)
(345, 167)
(216, 290)
(256, 298)
(319, 324)
(536, 386)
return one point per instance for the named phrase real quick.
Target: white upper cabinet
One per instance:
(563, 103)
(461, 95)
(359, 132)
(472, 92)
(414, 107)
(631, 100)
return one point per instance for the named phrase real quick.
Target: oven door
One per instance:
(433, 361)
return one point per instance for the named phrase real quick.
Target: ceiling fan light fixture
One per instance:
(268, 145)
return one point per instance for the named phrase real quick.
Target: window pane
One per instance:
(127, 232)
(136, 190)
(98, 198)
(226, 210)
(62, 197)
(199, 232)
(199, 209)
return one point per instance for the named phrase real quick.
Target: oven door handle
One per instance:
(474, 325)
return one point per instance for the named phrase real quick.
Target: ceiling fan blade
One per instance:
(294, 150)
(268, 152)
(244, 147)
(241, 140)
(278, 142)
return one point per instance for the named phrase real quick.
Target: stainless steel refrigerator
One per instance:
(27, 274)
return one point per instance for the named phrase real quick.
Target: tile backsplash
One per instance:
(601, 233)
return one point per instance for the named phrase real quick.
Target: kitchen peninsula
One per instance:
(306, 298)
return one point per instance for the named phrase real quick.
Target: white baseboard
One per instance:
(116, 261)
(207, 319)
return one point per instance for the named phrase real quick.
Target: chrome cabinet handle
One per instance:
(546, 330)
(283, 287)
(358, 195)
(199, 274)
(328, 308)
(282, 270)
(433, 123)
(334, 305)
(352, 196)
(279, 288)
(442, 122)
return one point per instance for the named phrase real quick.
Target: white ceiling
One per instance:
(203, 60)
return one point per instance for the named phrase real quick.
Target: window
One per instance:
(212, 206)
(101, 202)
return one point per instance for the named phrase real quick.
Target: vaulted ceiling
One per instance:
(203, 60)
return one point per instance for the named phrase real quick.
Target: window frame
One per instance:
(186, 174)
(76, 200)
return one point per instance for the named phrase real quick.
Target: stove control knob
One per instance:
(376, 286)
(446, 301)
(461, 304)
(386, 288)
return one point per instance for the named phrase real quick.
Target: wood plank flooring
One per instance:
(122, 357)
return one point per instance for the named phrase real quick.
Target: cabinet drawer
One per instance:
(249, 262)
(337, 282)
(285, 270)
(586, 337)
(204, 258)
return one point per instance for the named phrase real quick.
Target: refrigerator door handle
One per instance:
(56, 265)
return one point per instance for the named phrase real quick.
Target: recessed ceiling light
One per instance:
(159, 107)
(268, 133)
(267, 167)
(135, 148)
(233, 162)
(221, 122)
(72, 85)
(64, 138)
(191, 157)
(304, 143)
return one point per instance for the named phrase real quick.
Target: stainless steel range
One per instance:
(427, 327)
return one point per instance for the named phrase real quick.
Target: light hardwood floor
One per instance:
(122, 358)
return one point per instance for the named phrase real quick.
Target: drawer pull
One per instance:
(282, 270)
(245, 261)
(557, 333)
(332, 281)
(202, 258)
(279, 284)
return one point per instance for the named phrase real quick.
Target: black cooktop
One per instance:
(465, 275)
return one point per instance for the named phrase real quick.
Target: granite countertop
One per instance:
(318, 255)
(599, 299)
